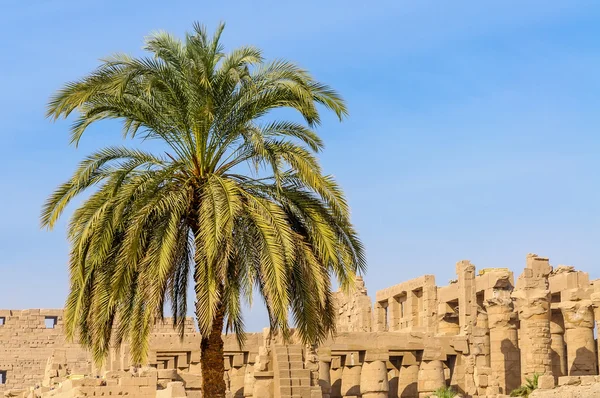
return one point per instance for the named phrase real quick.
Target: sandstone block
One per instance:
(546, 382)
(587, 380)
(175, 389)
(374, 379)
(167, 374)
(351, 381)
(568, 381)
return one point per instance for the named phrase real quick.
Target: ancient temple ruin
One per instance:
(482, 334)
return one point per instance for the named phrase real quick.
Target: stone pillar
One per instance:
(596, 306)
(504, 344)
(381, 316)
(374, 380)
(408, 378)
(393, 382)
(579, 336)
(237, 380)
(532, 299)
(311, 363)
(351, 381)
(467, 315)
(325, 378)
(559, 354)
(480, 340)
(467, 295)
(249, 381)
(336, 382)
(431, 377)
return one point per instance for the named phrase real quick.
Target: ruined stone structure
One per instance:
(28, 339)
(482, 334)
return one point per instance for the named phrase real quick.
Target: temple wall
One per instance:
(354, 309)
(27, 339)
(482, 334)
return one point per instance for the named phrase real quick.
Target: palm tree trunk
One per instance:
(211, 347)
(211, 360)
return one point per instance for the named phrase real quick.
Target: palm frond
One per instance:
(154, 223)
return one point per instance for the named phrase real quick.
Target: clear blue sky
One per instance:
(473, 131)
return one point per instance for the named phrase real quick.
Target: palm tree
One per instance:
(279, 227)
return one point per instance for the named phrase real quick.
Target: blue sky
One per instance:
(473, 128)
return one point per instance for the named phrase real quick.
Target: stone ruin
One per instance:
(482, 335)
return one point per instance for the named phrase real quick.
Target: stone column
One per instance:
(476, 336)
(504, 343)
(408, 377)
(579, 336)
(393, 382)
(374, 380)
(336, 381)
(351, 381)
(431, 377)
(532, 299)
(559, 354)
(249, 381)
(325, 378)
(381, 317)
(596, 305)
(480, 340)
(237, 380)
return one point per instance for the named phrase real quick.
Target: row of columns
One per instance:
(372, 380)
(545, 338)
(569, 333)
(573, 347)
(556, 338)
(563, 344)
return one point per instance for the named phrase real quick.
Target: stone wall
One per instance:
(354, 309)
(27, 339)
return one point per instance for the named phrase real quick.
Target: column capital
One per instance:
(577, 314)
(532, 303)
(595, 297)
(501, 313)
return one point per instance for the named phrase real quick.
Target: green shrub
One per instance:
(527, 388)
(444, 392)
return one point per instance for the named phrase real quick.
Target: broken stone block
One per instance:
(546, 382)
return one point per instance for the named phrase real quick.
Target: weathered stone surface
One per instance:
(569, 391)
(351, 381)
(532, 297)
(431, 376)
(579, 337)
(546, 382)
(374, 381)
(354, 309)
(504, 342)
(481, 334)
